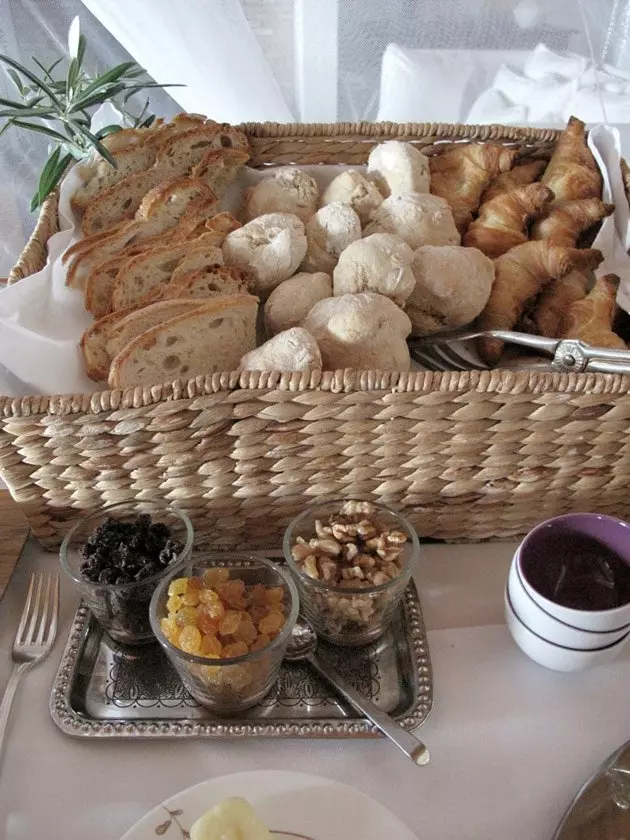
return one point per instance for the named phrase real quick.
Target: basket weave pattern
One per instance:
(466, 455)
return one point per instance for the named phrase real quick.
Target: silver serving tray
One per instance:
(102, 690)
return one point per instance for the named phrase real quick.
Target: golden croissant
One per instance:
(553, 304)
(520, 275)
(572, 172)
(591, 319)
(563, 223)
(502, 222)
(518, 176)
(461, 174)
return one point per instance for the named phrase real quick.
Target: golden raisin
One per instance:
(271, 623)
(187, 615)
(212, 577)
(246, 631)
(211, 646)
(178, 586)
(208, 596)
(191, 598)
(260, 641)
(206, 622)
(174, 603)
(235, 649)
(190, 639)
(229, 622)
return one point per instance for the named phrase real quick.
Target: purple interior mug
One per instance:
(577, 567)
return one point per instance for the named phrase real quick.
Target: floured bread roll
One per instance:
(418, 218)
(328, 233)
(293, 349)
(379, 263)
(350, 187)
(284, 190)
(364, 331)
(453, 285)
(397, 168)
(291, 301)
(271, 246)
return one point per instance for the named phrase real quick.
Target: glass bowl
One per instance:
(122, 609)
(355, 611)
(233, 684)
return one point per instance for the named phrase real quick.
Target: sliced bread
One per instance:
(155, 268)
(209, 282)
(163, 209)
(197, 258)
(135, 150)
(103, 175)
(101, 281)
(174, 159)
(212, 338)
(219, 167)
(94, 348)
(137, 321)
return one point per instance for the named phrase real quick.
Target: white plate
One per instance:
(295, 806)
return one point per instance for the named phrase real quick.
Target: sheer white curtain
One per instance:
(208, 45)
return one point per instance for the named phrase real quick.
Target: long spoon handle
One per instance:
(408, 743)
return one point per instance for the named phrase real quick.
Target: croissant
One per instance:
(572, 172)
(590, 320)
(519, 276)
(518, 176)
(553, 304)
(461, 174)
(502, 222)
(563, 223)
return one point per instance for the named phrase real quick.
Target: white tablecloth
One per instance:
(510, 741)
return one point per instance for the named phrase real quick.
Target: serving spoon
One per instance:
(302, 647)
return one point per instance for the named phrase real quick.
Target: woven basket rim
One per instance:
(340, 381)
(372, 130)
(301, 382)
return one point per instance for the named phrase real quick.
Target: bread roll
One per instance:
(293, 349)
(353, 188)
(452, 286)
(397, 168)
(284, 190)
(379, 263)
(365, 331)
(419, 219)
(291, 301)
(271, 246)
(328, 233)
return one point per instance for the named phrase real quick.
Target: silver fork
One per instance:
(439, 352)
(35, 636)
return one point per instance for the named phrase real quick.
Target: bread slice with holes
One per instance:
(101, 281)
(210, 282)
(103, 175)
(156, 267)
(220, 167)
(135, 150)
(211, 339)
(162, 210)
(138, 321)
(174, 159)
(94, 348)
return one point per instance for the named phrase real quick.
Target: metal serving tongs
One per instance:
(568, 355)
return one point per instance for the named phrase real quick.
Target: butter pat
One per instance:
(231, 819)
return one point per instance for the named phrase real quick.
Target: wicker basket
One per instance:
(466, 455)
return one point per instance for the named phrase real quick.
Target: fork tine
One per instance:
(45, 616)
(30, 633)
(52, 632)
(26, 610)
